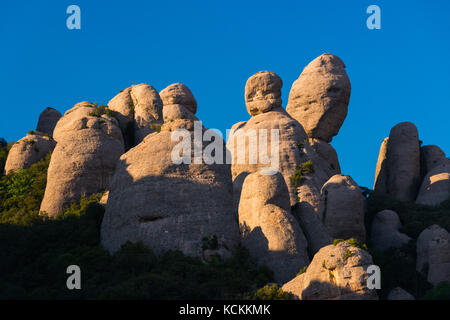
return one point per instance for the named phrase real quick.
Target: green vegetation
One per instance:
(414, 217)
(271, 292)
(211, 243)
(4, 150)
(297, 178)
(440, 292)
(398, 265)
(35, 252)
(353, 242)
(302, 270)
(103, 110)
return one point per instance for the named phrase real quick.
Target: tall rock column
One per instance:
(398, 168)
(83, 162)
(166, 195)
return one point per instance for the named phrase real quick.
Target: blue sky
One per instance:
(399, 73)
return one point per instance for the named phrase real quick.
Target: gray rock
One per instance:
(341, 208)
(385, 232)
(268, 228)
(319, 97)
(84, 159)
(398, 168)
(400, 294)
(336, 273)
(433, 254)
(27, 151)
(170, 206)
(47, 120)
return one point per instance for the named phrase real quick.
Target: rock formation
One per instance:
(84, 159)
(47, 120)
(385, 232)
(433, 254)
(435, 186)
(170, 204)
(398, 167)
(399, 294)
(431, 157)
(28, 150)
(297, 161)
(337, 272)
(319, 97)
(139, 110)
(268, 228)
(341, 208)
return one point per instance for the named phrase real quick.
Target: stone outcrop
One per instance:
(398, 168)
(83, 162)
(263, 92)
(435, 186)
(291, 144)
(268, 228)
(139, 109)
(47, 120)
(433, 254)
(337, 272)
(319, 97)
(169, 204)
(431, 156)
(341, 208)
(385, 232)
(400, 294)
(28, 150)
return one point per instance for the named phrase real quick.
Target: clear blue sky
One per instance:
(398, 73)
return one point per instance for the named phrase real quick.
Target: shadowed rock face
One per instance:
(341, 208)
(336, 273)
(268, 228)
(319, 97)
(433, 254)
(139, 110)
(47, 120)
(435, 186)
(431, 157)
(398, 168)
(263, 92)
(399, 294)
(170, 206)
(84, 159)
(385, 232)
(27, 151)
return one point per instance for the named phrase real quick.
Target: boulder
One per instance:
(385, 232)
(341, 208)
(435, 186)
(178, 93)
(263, 92)
(84, 159)
(47, 120)
(337, 272)
(139, 109)
(268, 229)
(169, 204)
(319, 97)
(399, 294)
(431, 156)
(398, 168)
(433, 254)
(28, 150)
